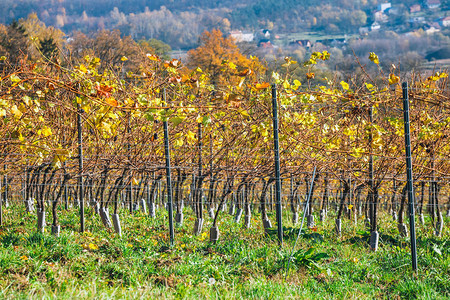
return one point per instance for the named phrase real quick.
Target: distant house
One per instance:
(240, 36)
(383, 6)
(266, 33)
(363, 30)
(265, 43)
(445, 22)
(302, 43)
(417, 20)
(375, 26)
(414, 8)
(432, 28)
(433, 4)
(379, 16)
(395, 11)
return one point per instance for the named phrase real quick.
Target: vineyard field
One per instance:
(143, 177)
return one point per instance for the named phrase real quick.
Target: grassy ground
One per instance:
(243, 264)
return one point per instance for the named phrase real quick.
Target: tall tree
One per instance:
(48, 48)
(220, 57)
(109, 46)
(14, 42)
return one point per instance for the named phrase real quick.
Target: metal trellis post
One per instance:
(169, 176)
(277, 165)
(409, 175)
(80, 167)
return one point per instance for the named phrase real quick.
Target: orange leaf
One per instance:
(174, 63)
(111, 101)
(103, 90)
(175, 79)
(245, 72)
(263, 85)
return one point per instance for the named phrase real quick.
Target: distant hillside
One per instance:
(180, 22)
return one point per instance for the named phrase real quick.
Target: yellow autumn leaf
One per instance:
(152, 57)
(264, 132)
(244, 113)
(357, 152)
(350, 206)
(190, 135)
(178, 143)
(106, 127)
(344, 85)
(369, 86)
(2, 112)
(134, 181)
(93, 246)
(16, 112)
(123, 58)
(14, 78)
(46, 131)
(297, 83)
(374, 58)
(24, 258)
(83, 68)
(393, 79)
(56, 162)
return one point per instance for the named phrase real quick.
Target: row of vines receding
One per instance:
(221, 140)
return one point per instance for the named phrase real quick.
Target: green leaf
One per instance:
(309, 252)
(319, 256)
(206, 120)
(176, 120)
(149, 116)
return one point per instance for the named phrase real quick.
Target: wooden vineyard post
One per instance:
(409, 175)
(277, 165)
(80, 168)
(169, 177)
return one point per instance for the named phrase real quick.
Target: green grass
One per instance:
(245, 263)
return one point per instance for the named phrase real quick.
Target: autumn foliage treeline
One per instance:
(179, 23)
